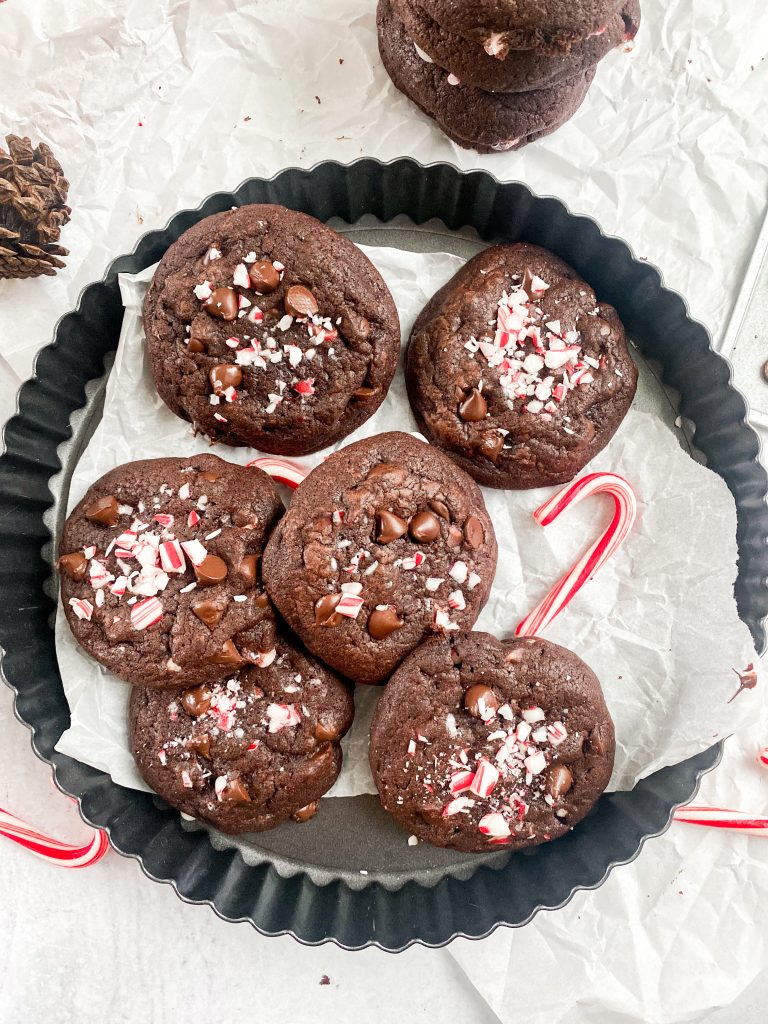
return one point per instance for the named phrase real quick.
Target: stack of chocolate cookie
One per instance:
(494, 74)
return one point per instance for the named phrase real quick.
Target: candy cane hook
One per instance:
(63, 855)
(625, 511)
(279, 469)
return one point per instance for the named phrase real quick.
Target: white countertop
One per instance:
(669, 151)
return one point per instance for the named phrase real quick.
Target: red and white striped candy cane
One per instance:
(597, 555)
(723, 817)
(279, 469)
(64, 855)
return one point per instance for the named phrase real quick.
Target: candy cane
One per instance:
(723, 817)
(597, 555)
(51, 850)
(284, 472)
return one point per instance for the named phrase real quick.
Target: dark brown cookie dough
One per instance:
(160, 570)
(266, 328)
(248, 752)
(548, 26)
(384, 543)
(485, 121)
(477, 744)
(523, 70)
(517, 371)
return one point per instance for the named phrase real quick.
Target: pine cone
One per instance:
(33, 210)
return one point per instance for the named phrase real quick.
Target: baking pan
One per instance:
(305, 885)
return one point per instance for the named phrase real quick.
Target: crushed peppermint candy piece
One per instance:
(557, 733)
(305, 387)
(457, 601)
(82, 609)
(472, 581)
(240, 276)
(433, 583)
(486, 777)
(282, 716)
(443, 620)
(146, 613)
(459, 780)
(203, 290)
(196, 551)
(414, 561)
(535, 763)
(534, 714)
(263, 659)
(459, 803)
(193, 518)
(172, 557)
(349, 605)
(494, 824)
(458, 572)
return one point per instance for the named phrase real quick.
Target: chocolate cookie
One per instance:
(548, 26)
(250, 752)
(474, 119)
(522, 70)
(160, 575)
(266, 328)
(517, 371)
(477, 744)
(384, 543)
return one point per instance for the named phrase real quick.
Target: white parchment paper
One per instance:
(658, 624)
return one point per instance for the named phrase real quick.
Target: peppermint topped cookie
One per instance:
(160, 570)
(249, 751)
(548, 26)
(385, 543)
(478, 744)
(266, 328)
(517, 371)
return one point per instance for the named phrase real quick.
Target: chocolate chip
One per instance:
(196, 345)
(197, 701)
(209, 612)
(527, 284)
(491, 445)
(223, 376)
(324, 610)
(209, 476)
(74, 565)
(325, 734)
(104, 511)
(595, 744)
(222, 305)
(474, 407)
(382, 622)
(424, 527)
(200, 744)
(364, 392)
(481, 702)
(264, 277)
(389, 527)
(228, 656)
(559, 781)
(455, 536)
(247, 569)
(212, 570)
(262, 601)
(440, 508)
(299, 301)
(474, 534)
(235, 792)
(383, 468)
(305, 813)
(324, 753)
